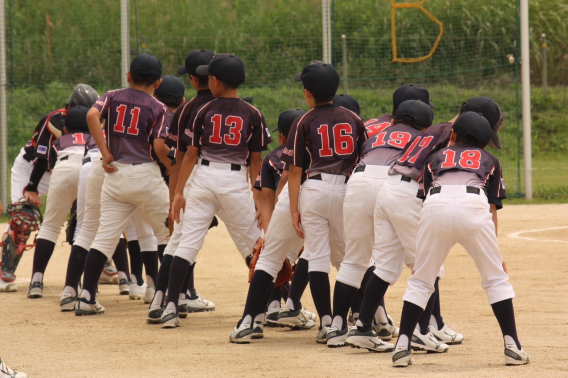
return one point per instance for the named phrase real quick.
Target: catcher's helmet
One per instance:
(83, 94)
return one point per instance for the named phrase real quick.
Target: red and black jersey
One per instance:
(48, 129)
(411, 163)
(465, 164)
(72, 143)
(327, 139)
(226, 130)
(184, 117)
(376, 125)
(271, 170)
(134, 119)
(386, 147)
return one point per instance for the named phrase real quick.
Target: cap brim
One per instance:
(202, 70)
(182, 70)
(431, 105)
(298, 76)
(275, 129)
(494, 141)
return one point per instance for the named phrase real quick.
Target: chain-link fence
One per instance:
(53, 45)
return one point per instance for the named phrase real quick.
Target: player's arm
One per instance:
(174, 173)
(188, 164)
(266, 207)
(255, 164)
(94, 122)
(162, 150)
(294, 183)
(281, 184)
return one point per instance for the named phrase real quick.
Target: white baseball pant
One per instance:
(216, 189)
(358, 222)
(281, 240)
(321, 213)
(450, 217)
(60, 196)
(21, 171)
(130, 187)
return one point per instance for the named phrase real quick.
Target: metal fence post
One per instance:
(543, 48)
(526, 97)
(344, 63)
(326, 30)
(3, 110)
(124, 41)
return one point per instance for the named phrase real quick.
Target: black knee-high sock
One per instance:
(164, 274)
(75, 266)
(424, 320)
(120, 258)
(276, 294)
(264, 304)
(189, 284)
(299, 283)
(136, 261)
(374, 292)
(357, 301)
(505, 315)
(161, 249)
(436, 310)
(319, 286)
(43, 251)
(259, 288)
(185, 287)
(343, 296)
(285, 291)
(366, 278)
(408, 320)
(178, 272)
(94, 264)
(151, 264)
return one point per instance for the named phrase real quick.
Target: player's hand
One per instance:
(177, 206)
(33, 198)
(297, 224)
(107, 159)
(505, 267)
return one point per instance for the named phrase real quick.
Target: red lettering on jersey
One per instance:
(325, 150)
(399, 139)
(78, 138)
(449, 162)
(374, 129)
(234, 136)
(133, 129)
(344, 143)
(422, 142)
(216, 135)
(119, 125)
(380, 140)
(470, 159)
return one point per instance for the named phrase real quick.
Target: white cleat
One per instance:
(8, 286)
(257, 331)
(199, 304)
(401, 357)
(170, 319)
(109, 276)
(137, 292)
(124, 287)
(271, 316)
(446, 335)
(241, 334)
(321, 337)
(427, 343)
(155, 315)
(514, 356)
(336, 337)
(297, 320)
(385, 331)
(67, 302)
(6, 372)
(84, 307)
(149, 295)
(36, 290)
(308, 315)
(367, 340)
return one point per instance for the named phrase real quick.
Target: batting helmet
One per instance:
(83, 94)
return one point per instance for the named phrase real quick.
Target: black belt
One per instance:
(468, 189)
(234, 167)
(361, 168)
(318, 177)
(86, 160)
(64, 158)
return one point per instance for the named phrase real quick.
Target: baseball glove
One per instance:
(71, 224)
(283, 276)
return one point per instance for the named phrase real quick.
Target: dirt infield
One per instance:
(44, 342)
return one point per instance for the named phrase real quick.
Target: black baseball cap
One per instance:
(347, 102)
(321, 79)
(170, 86)
(76, 119)
(491, 111)
(227, 68)
(415, 111)
(148, 65)
(411, 92)
(286, 119)
(195, 59)
(475, 126)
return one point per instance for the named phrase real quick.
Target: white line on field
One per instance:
(517, 235)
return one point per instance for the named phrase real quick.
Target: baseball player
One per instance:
(133, 182)
(189, 300)
(226, 135)
(322, 147)
(463, 189)
(30, 176)
(5, 371)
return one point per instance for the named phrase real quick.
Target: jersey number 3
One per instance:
(468, 159)
(233, 136)
(119, 125)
